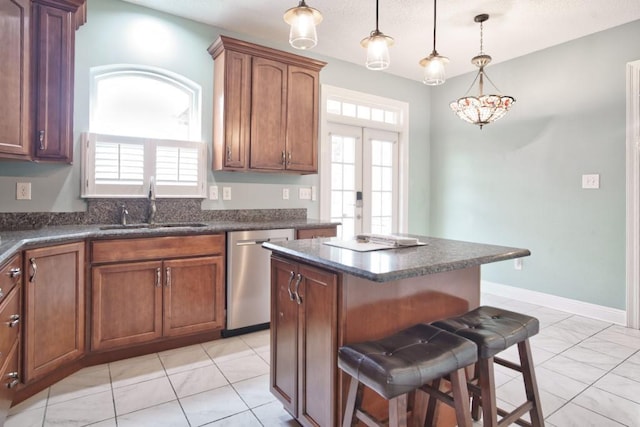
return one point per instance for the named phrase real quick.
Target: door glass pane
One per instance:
(382, 184)
(343, 183)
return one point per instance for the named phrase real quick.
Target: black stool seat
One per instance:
(404, 361)
(492, 329)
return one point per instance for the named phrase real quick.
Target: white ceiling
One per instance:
(515, 27)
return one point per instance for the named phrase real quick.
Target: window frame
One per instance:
(91, 189)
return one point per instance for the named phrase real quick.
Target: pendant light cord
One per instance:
(434, 25)
(377, 31)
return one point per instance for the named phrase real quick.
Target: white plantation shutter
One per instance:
(123, 166)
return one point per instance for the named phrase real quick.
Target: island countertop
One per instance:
(436, 256)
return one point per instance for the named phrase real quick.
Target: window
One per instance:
(145, 122)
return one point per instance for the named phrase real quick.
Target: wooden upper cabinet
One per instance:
(268, 114)
(54, 33)
(266, 108)
(14, 78)
(37, 43)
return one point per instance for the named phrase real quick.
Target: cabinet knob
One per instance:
(15, 272)
(41, 139)
(14, 319)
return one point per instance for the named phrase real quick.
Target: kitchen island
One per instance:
(323, 297)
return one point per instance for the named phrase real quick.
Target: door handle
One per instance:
(296, 289)
(291, 296)
(158, 278)
(34, 269)
(168, 277)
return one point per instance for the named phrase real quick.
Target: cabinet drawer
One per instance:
(10, 276)
(9, 323)
(156, 248)
(9, 380)
(312, 233)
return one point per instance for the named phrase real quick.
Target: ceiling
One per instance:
(515, 27)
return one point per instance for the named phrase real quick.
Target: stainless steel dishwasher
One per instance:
(248, 279)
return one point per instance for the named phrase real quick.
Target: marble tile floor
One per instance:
(588, 374)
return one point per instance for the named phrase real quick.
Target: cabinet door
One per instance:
(194, 295)
(53, 85)
(318, 340)
(302, 120)
(232, 119)
(14, 77)
(126, 304)
(284, 335)
(54, 308)
(268, 114)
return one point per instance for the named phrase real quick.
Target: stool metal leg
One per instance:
(530, 384)
(488, 393)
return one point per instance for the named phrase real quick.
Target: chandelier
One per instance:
(434, 72)
(303, 20)
(377, 45)
(482, 109)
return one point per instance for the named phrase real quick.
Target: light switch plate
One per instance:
(285, 194)
(304, 193)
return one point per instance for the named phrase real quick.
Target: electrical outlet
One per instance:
(213, 192)
(285, 194)
(304, 193)
(23, 191)
(226, 193)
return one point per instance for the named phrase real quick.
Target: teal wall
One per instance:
(119, 32)
(518, 181)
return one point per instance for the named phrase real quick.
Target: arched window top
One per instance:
(142, 101)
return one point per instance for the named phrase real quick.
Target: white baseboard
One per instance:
(585, 309)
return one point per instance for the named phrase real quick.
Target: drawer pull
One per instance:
(34, 268)
(14, 379)
(15, 272)
(14, 319)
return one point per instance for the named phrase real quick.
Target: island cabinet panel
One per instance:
(54, 308)
(266, 109)
(175, 288)
(14, 83)
(304, 341)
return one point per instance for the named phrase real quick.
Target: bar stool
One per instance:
(494, 330)
(402, 363)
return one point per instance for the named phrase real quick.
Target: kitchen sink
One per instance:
(162, 225)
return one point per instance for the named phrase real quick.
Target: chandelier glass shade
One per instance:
(484, 108)
(377, 45)
(303, 20)
(434, 64)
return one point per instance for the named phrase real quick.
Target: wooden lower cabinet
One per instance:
(314, 233)
(141, 301)
(54, 308)
(304, 341)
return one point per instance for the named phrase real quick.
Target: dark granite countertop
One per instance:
(13, 241)
(438, 255)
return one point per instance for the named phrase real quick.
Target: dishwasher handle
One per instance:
(261, 241)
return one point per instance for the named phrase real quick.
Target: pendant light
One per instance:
(482, 109)
(434, 64)
(303, 20)
(377, 45)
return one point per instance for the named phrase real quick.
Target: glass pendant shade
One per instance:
(303, 20)
(377, 45)
(434, 69)
(482, 109)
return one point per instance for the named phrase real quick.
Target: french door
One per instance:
(364, 180)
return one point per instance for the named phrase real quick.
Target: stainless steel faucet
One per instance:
(152, 201)
(123, 214)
